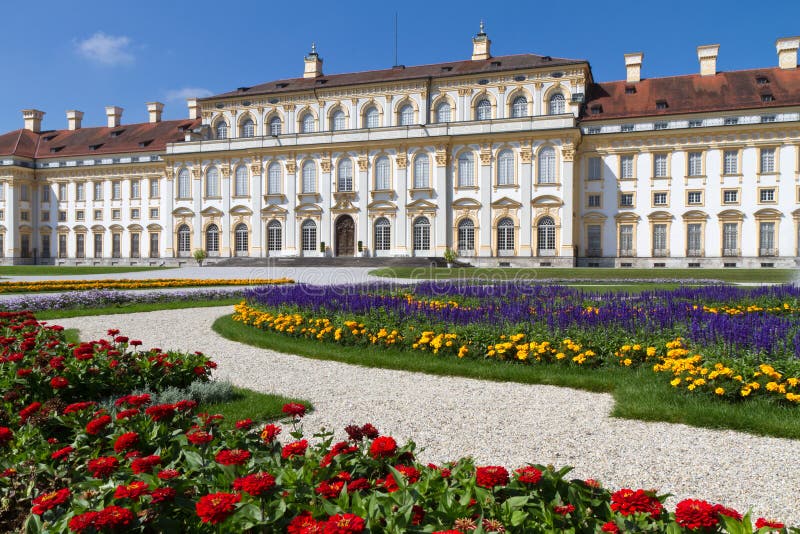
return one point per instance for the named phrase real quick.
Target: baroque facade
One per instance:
(521, 160)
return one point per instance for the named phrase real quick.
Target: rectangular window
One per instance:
(730, 239)
(694, 198)
(62, 192)
(627, 127)
(80, 192)
(767, 118)
(98, 191)
(767, 160)
(626, 200)
(98, 215)
(134, 245)
(116, 245)
(23, 193)
(116, 190)
(626, 240)
(98, 245)
(46, 194)
(2, 192)
(154, 245)
(626, 167)
(594, 240)
(154, 213)
(661, 125)
(25, 245)
(24, 216)
(766, 239)
(80, 246)
(79, 215)
(134, 213)
(595, 168)
(62, 245)
(695, 164)
(45, 216)
(62, 216)
(154, 188)
(731, 121)
(695, 124)
(659, 199)
(136, 188)
(730, 196)
(659, 240)
(730, 162)
(115, 214)
(594, 201)
(766, 195)
(694, 239)
(660, 165)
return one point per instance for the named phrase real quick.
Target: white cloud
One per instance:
(106, 49)
(186, 92)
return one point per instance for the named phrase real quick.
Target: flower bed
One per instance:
(722, 341)
(67, 465)
(153, 283)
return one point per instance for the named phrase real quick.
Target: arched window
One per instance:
(422, 233)
(221, 131)
(212, 240)
(212, 182)
(406, 115)
(466, 170)
(309, 177)
(338, 120)
(309, 235)
(383, 173)
(344, 175)
(443, 112)
(274, 236)
(547, 165)
(557, 104)
(248, 128)
(505, 237)
(274, 178)
(483, 110)
(372, 117)
(184, 240)
(505, 168)
(275, 126)
(240, 239)
(307, 123)
(546, 236)
(519, 108)
(466, 237)
(240, 188)
(383, 234)
(184, 184)
(421, 172)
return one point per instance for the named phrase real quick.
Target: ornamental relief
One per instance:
(291, 166)
(525, 154)
(325, 164)
(441, 157)
(196, 173)
(401, 160)
(486, 155)
(225, 170)
(363, 162)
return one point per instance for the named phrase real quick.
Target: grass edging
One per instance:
(638, 393)
(117, 309)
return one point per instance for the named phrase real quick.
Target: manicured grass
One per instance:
(134, 308)
(590, 273)
(249, 404)
(53, 270)
(639, 394)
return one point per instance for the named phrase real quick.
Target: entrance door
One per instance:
(345, 236)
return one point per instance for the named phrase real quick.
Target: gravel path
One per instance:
(496, 423)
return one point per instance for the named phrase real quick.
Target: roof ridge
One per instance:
(690, 75)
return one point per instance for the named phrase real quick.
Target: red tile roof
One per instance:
(724, 91)
(435, 70)
(141, 137)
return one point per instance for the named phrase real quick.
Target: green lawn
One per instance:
(52, 270)
(47, 315)
(590, 273)
(639, 394)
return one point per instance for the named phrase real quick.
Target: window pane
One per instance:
(595, 168)
(660, 165)
(505, 168)
(345, 175)
(382, 173)
(520, 107)
(382, 234)
(373, 118)
(240, 186)
(557, 104)
(547, 165)
(309, 177)
(274, 236)
(466, 170)
(443, 112)
(274, 179)
(483, 111)
(421, 176)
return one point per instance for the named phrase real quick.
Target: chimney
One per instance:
(154, 109)
(707, 55)
(74, 118)
(33, 119)
(481, 45)
(633, 66)
(114, 116)
(787, 52)
(194, 108)
(313, 63)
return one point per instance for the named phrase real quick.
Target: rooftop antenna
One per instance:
(395, 39)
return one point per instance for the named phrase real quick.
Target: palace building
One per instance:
(521, 160)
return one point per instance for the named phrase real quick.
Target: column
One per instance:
(537, 99)
(525, 183)
(13, 220)
(197, 202)
(325, 232)
(168, 194)
(486, 185)
(226, 247)
(256, 202)
(290, 228)
(362, 233)
(443, 188)
(402, 224)
(567, 210)
(290, 125)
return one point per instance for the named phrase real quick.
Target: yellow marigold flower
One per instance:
(637, 347)
(690, 387)
(745, 391)
(651, 351)
(560, 356)
(719, 391)
(675, 382)
(627, 362)
(700, 382)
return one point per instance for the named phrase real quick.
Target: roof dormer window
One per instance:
(762, 80)
(447, 68)
(56, 149)
(117, 133)
(281, 85)
(144, 144)
(49, 138)
(596, 110)
(661, 104)
(95, 147)
(767, 98)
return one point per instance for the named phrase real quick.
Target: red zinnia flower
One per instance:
(162, 495)
(294, 409)
(78, 407)
(6, 435)
(199, 437)
(83, 522)
(95, 426)
(134, 490)
(168, 474)
(343, 524)
(411, 475)
(146, 464)
(255, 484)
(186, 405)
(58, 382)
(305, 524)
(730, 512)
(125, 414)
(126, 441)
(564, 510)
(491, 476)
(627, 502)
(610, 527)
(761, 523)
(113, 332)
(296, 448)
(695, 514)
(244, 424)
(103, 467)
(24, 372)
(232, 456)
(62, 453)
(270, 432)
(113, 517)
(383, 447)
(160, 411)
(48, 501)
(121, 339)
(369, 431)
(528, 475)
(29, 410)
(216, 507)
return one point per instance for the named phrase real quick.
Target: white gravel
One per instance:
(496, 423)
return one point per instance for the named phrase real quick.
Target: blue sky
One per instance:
(86, 55)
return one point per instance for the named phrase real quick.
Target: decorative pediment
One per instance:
(154, 227)
(466, 204)
(695, 215)
(421, 205)
(308, 209)
(547, 201)
(60, 228)
(2, 228)
(506, 203)
(116, 228)
(45, 228)
(241, 210)
(135, 228)
(594, 216)
(732, 215)
(626, 216)
(660, 216)
(344, 203)
(79, 228)
(211, 211)
(383, 206)
(182, 212)
(768, 213)
(273, 210)
(796, 214)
